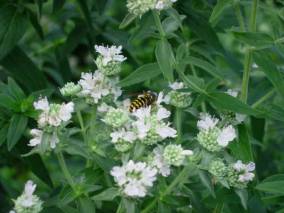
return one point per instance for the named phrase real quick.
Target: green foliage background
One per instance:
(45, 43)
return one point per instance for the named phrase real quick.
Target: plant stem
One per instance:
(248, 55)
(264, 98)
(158, 23)
(246, 75)
(168, 190)
(239, 16)
(252, 23)
(82, 126)
(65, 171)
(178, 121)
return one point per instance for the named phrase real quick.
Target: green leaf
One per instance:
(13, 25)
(206, 66)
(15, 91)
(23, 70)
(87, 205)
(17, 127)
(243, 195)
(107, 195)
(218, 10)
(165, 59)
(8, 102)
(143, 73)
(75, 37)
(205, 179)
(271, 71)
(242, 149)
(3, 134)
(128, 19)
(273, 184)
(36, 24)
(227, 102)
(37, 166)
(129, 205)
(192, 82)
(255, 39)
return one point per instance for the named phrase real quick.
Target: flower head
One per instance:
(157, 160)
(212, 137)
(164, 4)
(150, 125)
(139, 7)
(134, 178)
(70, 89)
(175, 154)
(110, 54)
(241, 174)
(28, 202)
(123, 139)
(218, 169)
(95, 86)
(116, 117)
(53, 114)
(109, 59)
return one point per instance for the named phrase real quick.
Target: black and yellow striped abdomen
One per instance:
(143, 101)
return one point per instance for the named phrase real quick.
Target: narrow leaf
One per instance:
(165, 58)
(218, 10)
(143, 73)
(271, 71)
(128, 19)
(12, 28)
(206, 66)
(107, 195)
(17, 127)
(256, 39)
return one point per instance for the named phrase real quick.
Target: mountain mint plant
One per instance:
(152, 158)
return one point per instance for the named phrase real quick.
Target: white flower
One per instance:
(124, 135)
(53, 114)
(65, 112)
(164, 4)
(143, 113)
(159, 162)
(233, 93)
(37, 137)
(110, 54)
(245, 171)
(226, 135)
(134, 178)
(103, 107)
(28, 202)
(97, 86)
(176, 85)
(207, 122)
(163, 113)
(162, 99)
(166, 132)
(42, 104)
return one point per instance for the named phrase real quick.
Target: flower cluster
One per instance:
(51, 117)
(177, 98)
(211, 136)
(109, 59)
(237, 175)
(139, 7)
(134, 178)
(102, 84)
(28, 202)
(240, 174)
